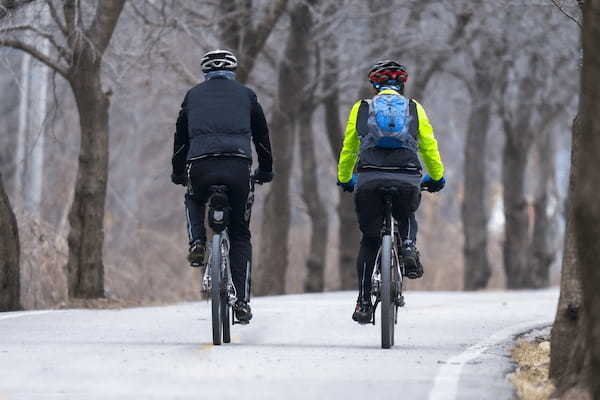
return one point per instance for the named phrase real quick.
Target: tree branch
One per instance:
(264, 28)
(256, 38)
(179, 68)
(560, 7)
(6, 6)
(56, 18)
(60, 49)
(69, 11)
(103, 25)
(16, 44)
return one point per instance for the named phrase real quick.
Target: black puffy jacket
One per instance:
(218, 118)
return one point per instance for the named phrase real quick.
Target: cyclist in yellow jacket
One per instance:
(383, 139)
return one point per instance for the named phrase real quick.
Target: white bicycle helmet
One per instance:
(218, 60)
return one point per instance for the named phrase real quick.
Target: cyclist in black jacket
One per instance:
(218, 119)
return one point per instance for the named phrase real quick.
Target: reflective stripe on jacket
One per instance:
(428, 147)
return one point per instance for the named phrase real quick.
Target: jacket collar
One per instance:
(219, 75)
(389, 91)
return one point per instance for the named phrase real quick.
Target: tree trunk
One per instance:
(568, 313)
(85, 266)
(9, 255)
(585, 198)
(86, 48)
(37, 130)
(317, 255)
(21, 151)
(348, 228)
(516, 241)
(273, 262)
(273, 265)
(474, 211)
(543, 245)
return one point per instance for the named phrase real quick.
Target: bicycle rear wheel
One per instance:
(225, 307)
(226, 322)
(387, 302)
(216, 289)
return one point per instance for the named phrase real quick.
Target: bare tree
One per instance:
(348, 234)
(517, 118)
(270, 276)
(569, 357)
(585, 197)
(317, 212)
(543, 241)
(10, 285)
(79, 61)
(568, 344)
(575, 357)
(315, 262)
(477, 269)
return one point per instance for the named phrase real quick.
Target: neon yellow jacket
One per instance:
(428, 147)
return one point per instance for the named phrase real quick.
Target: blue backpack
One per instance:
(386, 123)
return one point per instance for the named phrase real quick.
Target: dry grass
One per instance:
(531, 377)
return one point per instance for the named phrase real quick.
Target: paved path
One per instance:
(448, 346)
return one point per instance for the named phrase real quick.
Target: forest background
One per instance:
(89, 109)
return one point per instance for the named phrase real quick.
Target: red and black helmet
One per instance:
(387, 70)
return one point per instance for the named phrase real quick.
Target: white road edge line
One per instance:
(445, 386)
(24, 314)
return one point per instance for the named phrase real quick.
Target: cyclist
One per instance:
(385, 134)
(218, 119)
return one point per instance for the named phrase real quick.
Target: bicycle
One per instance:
(217, 278)
(387, 278)
(388, 275)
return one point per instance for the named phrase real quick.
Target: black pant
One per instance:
(370, 209)
(235, 174)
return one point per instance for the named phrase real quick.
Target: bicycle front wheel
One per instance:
(387, 302)
(216, 289)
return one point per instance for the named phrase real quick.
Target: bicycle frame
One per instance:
(206, 281)
(218, 220)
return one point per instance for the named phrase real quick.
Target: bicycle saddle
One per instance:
(218, 188)
(218, 196)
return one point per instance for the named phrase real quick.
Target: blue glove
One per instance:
(432, 185)
(348, 186)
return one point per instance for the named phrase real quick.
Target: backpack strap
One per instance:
(413, 127)
(362, 118)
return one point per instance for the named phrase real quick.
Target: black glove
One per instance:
(180, 179)
(261, 176)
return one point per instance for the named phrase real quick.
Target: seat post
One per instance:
(387, 199)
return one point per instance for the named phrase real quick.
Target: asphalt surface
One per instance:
(448, 346)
